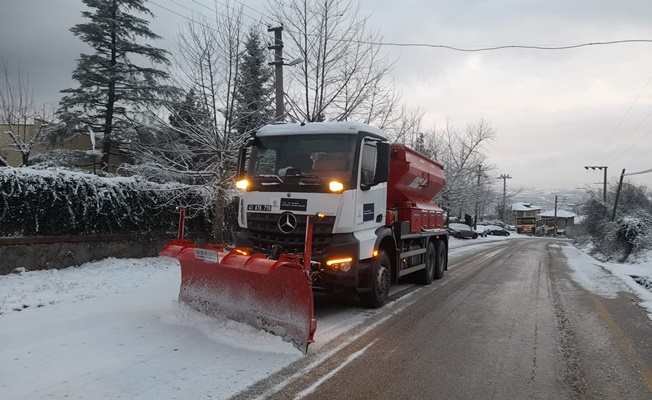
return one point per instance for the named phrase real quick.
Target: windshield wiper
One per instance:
(301, 183)
(270, 183)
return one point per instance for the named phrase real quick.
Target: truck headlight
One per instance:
(342, 264)
(336, 186)
(242, 184)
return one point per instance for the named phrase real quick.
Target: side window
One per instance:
(368, 166)
(265, 162)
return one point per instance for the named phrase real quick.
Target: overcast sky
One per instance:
(555, 111)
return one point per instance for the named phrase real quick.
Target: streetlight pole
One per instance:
(604, 183)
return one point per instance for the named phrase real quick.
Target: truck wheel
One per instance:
(440, 259)
(427, 274)
(382, 280)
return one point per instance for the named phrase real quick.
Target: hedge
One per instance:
(55, 202)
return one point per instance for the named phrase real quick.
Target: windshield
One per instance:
(316, 158)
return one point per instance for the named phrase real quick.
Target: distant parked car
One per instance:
(481, 230)
(461, 231)
(496, 230)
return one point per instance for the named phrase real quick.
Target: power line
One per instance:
(633, 145)
(638, 172)
(504, 47)
(627, 138)
(183, 16)
(195, 12)
(623, 118)
(246, 6)
(226, 5)
(427, 45)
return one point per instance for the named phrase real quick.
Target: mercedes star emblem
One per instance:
(287, 222)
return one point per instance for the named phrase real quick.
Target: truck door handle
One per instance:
(379, 218)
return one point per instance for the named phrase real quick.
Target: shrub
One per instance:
(629, 235)
(59, 202)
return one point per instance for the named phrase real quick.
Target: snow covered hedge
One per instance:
(60, 202)
(630, 235)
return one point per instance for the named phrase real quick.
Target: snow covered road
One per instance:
(112, 329)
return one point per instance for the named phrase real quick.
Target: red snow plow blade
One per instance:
(272, 295)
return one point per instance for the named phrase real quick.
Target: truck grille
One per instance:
(264, 232)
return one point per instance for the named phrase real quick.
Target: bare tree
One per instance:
(344, 75)
(468, 174)
(23, 123)
(200, 143)
(406, 127)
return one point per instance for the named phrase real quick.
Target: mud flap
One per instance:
(272, 295)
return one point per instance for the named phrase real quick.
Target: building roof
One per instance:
(560, 214)
(524, 207)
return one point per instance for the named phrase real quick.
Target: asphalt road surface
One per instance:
(506, 322)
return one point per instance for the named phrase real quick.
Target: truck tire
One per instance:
(381, 282)
(440, 259)
(427, 274)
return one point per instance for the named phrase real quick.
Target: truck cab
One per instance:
(293, 171)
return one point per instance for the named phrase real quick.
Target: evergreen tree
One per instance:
(253, 93)
(189, 115)
(111, 87)
(191, 121)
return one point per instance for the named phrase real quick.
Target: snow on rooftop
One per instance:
(524, 207)
(319, 127)
(560, 214)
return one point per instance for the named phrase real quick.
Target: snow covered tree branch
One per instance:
(344, 75)
(22, 123)
(225, 77)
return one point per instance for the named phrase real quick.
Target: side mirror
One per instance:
(242, 159)
(382, 163)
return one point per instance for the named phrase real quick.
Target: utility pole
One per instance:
(555, 234)
(504, 177)
(278, 63)
(604, 183)
(620, 185)
(475, 217)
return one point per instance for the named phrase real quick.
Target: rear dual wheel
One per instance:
(440, 259)
(427, 274)
(435, 263)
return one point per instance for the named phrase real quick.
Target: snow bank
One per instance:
(607, 279)
(42, 289)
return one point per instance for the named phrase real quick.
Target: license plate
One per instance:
(207, 255)
(259, 207)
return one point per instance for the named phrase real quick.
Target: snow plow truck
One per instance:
(323, 206)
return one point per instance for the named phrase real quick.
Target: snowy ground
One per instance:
(112, 329)
(607, 279)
